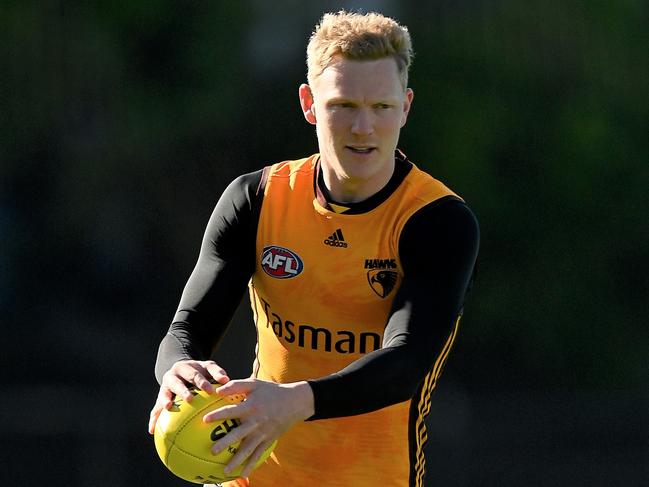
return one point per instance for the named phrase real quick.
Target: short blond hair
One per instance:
(360, 37)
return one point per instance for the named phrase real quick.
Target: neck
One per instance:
(346, 189)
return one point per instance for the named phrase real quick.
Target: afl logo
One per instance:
(281, 263)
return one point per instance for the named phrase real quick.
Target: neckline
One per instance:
(402, 168)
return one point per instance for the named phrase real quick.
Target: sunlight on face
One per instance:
(358, 108)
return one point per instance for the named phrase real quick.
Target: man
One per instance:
(357, 265)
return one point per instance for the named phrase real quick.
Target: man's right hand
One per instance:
(177, 381)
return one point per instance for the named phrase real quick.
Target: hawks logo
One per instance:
(382, 282)
(280, 263)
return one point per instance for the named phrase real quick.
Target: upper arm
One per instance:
(438, 250)
(225, 263)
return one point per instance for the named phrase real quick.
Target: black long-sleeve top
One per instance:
(437, 275)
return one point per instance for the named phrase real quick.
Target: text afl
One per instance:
(280, 262)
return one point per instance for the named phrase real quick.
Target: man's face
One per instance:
(358, 108)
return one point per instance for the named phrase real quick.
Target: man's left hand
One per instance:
(268, 411)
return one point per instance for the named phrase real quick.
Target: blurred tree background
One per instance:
(122, 122)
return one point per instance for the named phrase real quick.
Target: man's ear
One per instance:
(407, 103)
(306, 102)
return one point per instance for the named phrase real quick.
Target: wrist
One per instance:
(304, 401)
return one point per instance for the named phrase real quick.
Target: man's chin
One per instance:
(358, 172)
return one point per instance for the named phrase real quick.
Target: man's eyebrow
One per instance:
(388, 100)
(336, 99)
(339, 99)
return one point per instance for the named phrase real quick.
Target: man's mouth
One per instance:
(360, 150)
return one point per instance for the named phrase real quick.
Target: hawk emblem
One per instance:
(382, 282)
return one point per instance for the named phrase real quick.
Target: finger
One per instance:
(202, 383)
(165, 397)
(177, 387)
(240, 386)
(237, 434)
(245, 450)
(190, 373)
(218, 373)
(254, 457)
(153, 417)
(225, 412)
(163, 401)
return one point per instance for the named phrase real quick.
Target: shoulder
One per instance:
(290, 168)
(424, 187)
(246, 183)
(445, 214)
(247, 190)
(446, 222)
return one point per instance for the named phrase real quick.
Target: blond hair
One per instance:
(359, 37)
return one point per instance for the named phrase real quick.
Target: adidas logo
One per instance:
(336, 239)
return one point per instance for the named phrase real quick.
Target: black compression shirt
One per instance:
(437, 274)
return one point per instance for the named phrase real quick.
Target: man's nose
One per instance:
(363, 123)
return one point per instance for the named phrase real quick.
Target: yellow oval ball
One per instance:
(183, 441)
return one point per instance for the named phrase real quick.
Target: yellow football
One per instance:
(183, 441)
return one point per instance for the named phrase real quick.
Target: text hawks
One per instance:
(308, 336)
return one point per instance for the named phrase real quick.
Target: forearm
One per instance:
(385, 377)
(391, 374)
(211, 297)
(178, 344)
